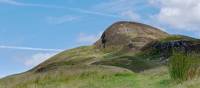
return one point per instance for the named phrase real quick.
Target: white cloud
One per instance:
(1, 76)
(29, 48)
(115, 6)
(12, 2)
(131, 15)
(85, 11)
(4, 75)
(62, 19)
(181, 14)
(38, 58)
(88, 38)
(93, 12)
(125, 9)
(17, 3)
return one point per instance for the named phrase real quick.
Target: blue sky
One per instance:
(33, 30)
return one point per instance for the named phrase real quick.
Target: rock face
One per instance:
(162, 50)
(129, 36)
(186, 46)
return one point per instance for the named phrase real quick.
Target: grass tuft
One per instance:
(183, 66)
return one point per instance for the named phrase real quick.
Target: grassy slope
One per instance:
(73, 69)
(98, 77)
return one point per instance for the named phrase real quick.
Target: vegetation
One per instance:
(77, 73)
(76, 77)
(76, 68)
(93, 77)
(176, 37)
(136, 62)
(184, 66)
(97, 77)
(89, 67)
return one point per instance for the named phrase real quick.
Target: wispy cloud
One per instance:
(37, 59)
(61, 19)
(93, 12)
(131, 15)
(17, 3)
(69, 18)
(85, 11)
(1, 76)
(125, 9)
(29, 48)
(84, 38)
(12, 2)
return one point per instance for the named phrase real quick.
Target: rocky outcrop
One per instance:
(162, 50)
(128, 35)
(181, 45)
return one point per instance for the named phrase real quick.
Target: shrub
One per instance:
(184, 66)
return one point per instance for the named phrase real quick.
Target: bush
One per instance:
(184, 66)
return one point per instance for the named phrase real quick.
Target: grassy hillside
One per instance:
(139, 62)
(74, 69)
(97, 77)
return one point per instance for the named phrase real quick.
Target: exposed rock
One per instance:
(128, 35)
(163, 50)
(181, 45)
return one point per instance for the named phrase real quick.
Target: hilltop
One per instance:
(128, 54)
(129, 35)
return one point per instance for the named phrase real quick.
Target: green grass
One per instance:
(74, 69)
(176, 37)
(93, 77)
(79, 56)
(184, 66)
(76, 77)
(97, 77)
(132, 63)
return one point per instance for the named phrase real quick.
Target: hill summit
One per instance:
(129, 35)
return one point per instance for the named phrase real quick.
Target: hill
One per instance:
(128, 55)
(129, 36)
